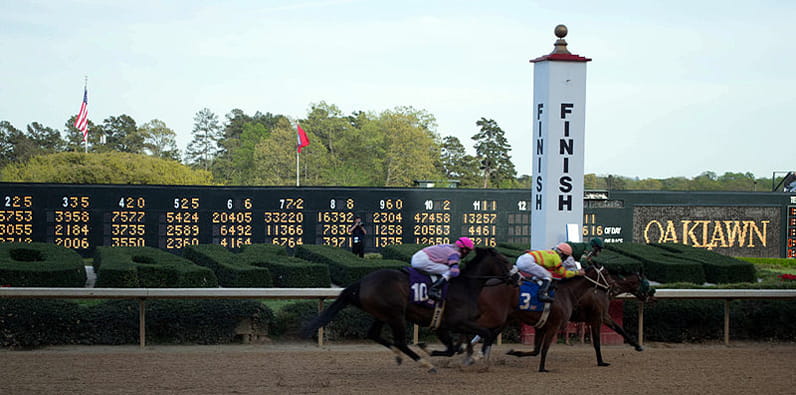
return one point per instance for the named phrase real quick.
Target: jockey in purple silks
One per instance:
(442, 259)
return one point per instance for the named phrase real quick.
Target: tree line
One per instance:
(391, 148)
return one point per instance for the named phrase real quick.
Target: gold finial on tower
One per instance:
(561, 44)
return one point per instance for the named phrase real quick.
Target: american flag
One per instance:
(81, 122)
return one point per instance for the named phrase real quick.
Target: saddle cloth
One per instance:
(529, 296)
(419, 283)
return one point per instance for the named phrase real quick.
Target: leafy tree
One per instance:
(12, 143)
(103, 168)
(275, 158)
(74, 137)
(46, 139)
(206, 134)
(410, 147)
(457, 164)
(492, 149)
(159, 140)
(121, 134)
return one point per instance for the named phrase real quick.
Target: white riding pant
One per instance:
(526, 263)
(421, 261)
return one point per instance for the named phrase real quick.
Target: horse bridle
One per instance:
(601, 281)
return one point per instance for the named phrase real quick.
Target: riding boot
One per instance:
(435, 292)
(544, 292)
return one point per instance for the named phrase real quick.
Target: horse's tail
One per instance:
(348, 296)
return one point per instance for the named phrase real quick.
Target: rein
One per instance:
(601, 281)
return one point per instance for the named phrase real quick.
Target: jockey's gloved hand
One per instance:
(454, 270)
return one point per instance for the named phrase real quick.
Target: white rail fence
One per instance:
(321, 294)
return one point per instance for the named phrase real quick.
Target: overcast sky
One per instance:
(674, 89)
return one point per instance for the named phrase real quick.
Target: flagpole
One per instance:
(297, 167)
(85, 140)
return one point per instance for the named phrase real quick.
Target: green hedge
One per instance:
(718, 268)
(287, 272)
(661, 265)
(146, 267)
(40, 265)
(230, 269)
(26, 323)
(345, 268)
(402, 252)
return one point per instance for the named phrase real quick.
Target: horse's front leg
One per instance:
(595, 340)
(444, 336)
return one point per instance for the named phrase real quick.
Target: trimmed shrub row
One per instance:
(345, 268)
(40, 265)
(287, 272)
(146, 267)
(26, 323)
(231, 270)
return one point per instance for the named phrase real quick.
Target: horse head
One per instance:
(487, 263)
(635, 284)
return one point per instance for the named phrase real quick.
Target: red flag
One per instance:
(81, 122)
(303, 140)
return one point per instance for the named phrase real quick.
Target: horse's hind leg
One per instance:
(399, 339)
(549, 334)
(374, 333)
(609, 322)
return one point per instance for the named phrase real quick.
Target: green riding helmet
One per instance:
(597, 243)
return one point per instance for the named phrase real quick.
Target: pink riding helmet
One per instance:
(465, 242)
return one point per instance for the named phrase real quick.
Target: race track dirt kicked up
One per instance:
(363, 368)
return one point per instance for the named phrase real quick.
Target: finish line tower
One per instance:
(559, 98)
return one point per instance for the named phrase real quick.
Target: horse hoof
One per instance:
(432, 370)
(468, 362)
(422, 345)
(603, 364)
(544, 371)
(398, 360)
(639, 348)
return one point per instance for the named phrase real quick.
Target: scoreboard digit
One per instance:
(284, 221)
(16, 219)
(179, 227)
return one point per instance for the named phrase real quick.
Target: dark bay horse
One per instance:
(385, 295)
(592, 309)
(499, 306)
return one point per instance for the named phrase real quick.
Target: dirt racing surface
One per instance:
(304, 368)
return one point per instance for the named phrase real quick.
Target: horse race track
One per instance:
(742, 368)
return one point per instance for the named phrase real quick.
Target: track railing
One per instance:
(321, 294)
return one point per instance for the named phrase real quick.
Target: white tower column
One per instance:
(558, 115)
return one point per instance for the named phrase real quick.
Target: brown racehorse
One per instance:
(592, 309)
(385, 294)
(499, 305)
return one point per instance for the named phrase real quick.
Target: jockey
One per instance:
(596, 246)
(546, 264)
(442, 259)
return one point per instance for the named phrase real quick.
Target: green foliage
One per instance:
(402, 252)
(159, 140)
(660, 265)
(492, 150)
(146, 267)
(107, 168)
(40, 265)
(230, 270)
(784, 263)
(287, 272)
(718, 268)
(345, 268)
(699, 320)
(26, 323)
(204, 147)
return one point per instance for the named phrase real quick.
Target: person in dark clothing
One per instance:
(357, 231)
